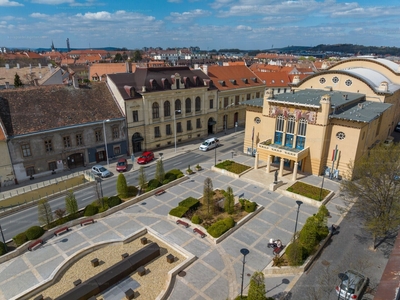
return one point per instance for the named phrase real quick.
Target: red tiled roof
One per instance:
(274, 79)
(107, 68)
(33, 109)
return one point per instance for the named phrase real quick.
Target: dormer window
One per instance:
(233, 81)
(245, 80)
(254, 79)
(221, 82)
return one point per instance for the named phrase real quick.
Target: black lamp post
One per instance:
(215, 156)
(342, 278)
(244, 251)
(4, 241)
(322, 185)
(297, 217)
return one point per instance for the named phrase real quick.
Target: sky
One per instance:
(208, 24)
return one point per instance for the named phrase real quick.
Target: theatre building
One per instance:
(328, 120)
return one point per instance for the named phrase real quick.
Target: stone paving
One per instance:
(216, 274)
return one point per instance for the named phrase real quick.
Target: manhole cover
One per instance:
(325, 263)
(182, 274)
(143, 203)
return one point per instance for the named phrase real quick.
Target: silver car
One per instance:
(99, 170)
(352, 285)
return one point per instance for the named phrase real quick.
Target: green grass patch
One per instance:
(232, 166)
(308, 190)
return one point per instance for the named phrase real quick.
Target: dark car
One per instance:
(146, 157)
(397, 128)
(122, 165)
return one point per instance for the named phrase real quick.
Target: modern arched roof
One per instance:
(388, 64)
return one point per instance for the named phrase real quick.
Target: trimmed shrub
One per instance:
(190, 202)
(154, 183)
(176, 172)
(132, 191)
(196, 219)
(165, 181)
(20, 239)
(295, 253)
(114, 201)
(90, 210)
(34, 232)
(220, 227)
(179, 211)
(308, 236)
(250, 206)
(103, 208)
(179, 176)
(242, 202)
(2, 249)
(122, 187)
(170, 176)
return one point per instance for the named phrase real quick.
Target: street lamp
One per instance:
(244, 251)
(322, 184)
(98, 180)
(297, 217)
(4, 241)
(105, 138)
(176, 111)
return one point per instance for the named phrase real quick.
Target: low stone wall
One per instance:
(230, 174)
(308, 200)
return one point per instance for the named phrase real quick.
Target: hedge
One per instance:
(114, 201)
(132, 191)
(154, 183)
(196, 219)
(190, 202)
(34, 232)
(170, 176)
(220, 227)
(2, 249)
(20, 239)
(250, 206)
(179, 211)
(90, 210)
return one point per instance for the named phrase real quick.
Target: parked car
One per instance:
(397, 128)
(352, 285)
(122, 165)
(146, 157)
(99, 170)
(209, 144)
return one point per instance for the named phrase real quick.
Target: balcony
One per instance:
(282, 151)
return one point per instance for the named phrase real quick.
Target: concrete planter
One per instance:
(309, 200)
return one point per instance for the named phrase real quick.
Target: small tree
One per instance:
(122, 187)
(142, 178)
(59, 213)
(137, 56)
(229, 201)
(71, 205)
(257, 287)
(17, 81)
(160, 173)
(44, 212)
(208, 194)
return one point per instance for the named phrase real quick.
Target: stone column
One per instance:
(256, 161)
(294, 175)
(281, 168)
(268, 168)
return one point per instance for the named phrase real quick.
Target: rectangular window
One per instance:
(67, 141)
(248, 96)
(258, 95)
(179, 127)
(300, 142)
(48, 146)
(168, 130)
(211, 103)
(135, 116)
(189, 125)
(99, 136)
(117, 150)
(79, 139)
(26, 150)
(278, 138)
(226, 102)
(237, 100)
(198, 123)
(115, 131)
(157, 132)
(52, 166)
(30, 171)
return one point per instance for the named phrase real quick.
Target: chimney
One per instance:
(384, 86)
(17, 66)
(345, 96)
(7, 85)
(143, 88)
(40, 66)
(205, 69)
(75, 83)
(296, 79)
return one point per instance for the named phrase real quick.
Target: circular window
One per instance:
(340, 135)
(257, 120)
(322, 80)
(335, 79)
(348, 82)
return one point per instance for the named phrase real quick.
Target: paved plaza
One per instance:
(216, 274)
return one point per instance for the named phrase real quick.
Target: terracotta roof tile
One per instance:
(274, 79)
(33, 109)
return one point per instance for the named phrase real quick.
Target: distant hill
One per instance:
(66, 50)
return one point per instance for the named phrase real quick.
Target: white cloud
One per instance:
(101, 15)
(9, 3)
(187, 16)
(174, 1)
(52, 2)
(38, 15)
(243, 27)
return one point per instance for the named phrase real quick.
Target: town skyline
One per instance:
(217, 24)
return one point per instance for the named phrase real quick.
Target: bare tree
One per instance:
(142, 178)
(71, 205)
(44, 212)
(374, 191)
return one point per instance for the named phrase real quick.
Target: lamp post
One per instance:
(342, 277)
(105, 138)
(4, 241)
(244, 251)
(322, 184)
(176, 111)
(297, 216)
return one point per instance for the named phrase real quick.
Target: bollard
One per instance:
(24, 190)
(37, 185)
(30, 187)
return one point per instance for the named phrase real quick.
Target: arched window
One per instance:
(167, 109)
(178, 106)
(198, 104)
(280, 121)
(156, 110)
(188, 105)
(301, 133)
(290, 132)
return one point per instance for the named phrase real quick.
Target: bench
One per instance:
(170, 258)
(95, 262)
(182, 223)
(77, 282)
(143, 240)
(202, 234)
(160, 192)
(141, 271)
(87, 221)
(61, 230)
(278, 250)
(35, 244)
(129, 294)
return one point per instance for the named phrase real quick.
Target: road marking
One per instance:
(177, 164)
(83, 199)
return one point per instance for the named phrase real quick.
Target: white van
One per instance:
(209, 144)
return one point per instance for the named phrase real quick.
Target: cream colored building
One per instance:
(330, 119)
(164, 105)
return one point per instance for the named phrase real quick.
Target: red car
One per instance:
(146, 157)
(122, 165)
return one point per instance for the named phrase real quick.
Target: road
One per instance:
(22, 220)
(349, 249)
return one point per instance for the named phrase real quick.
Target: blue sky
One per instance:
(208, 24)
